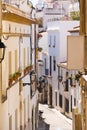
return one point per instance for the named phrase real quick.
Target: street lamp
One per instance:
(2, 52)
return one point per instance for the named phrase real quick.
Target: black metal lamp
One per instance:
(2, 48)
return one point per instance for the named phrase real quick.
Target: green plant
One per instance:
(39, 49)
(75, 15)
(27, 68)
(15, 76)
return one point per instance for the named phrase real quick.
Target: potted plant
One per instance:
(31, 66)
(25, 71)
(28, 68)
(19, 72)
(39, 49)
(15, 76)
(10, 79)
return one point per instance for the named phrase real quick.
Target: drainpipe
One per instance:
(34, 43)
(83, 32)
(31, 49)
(0, 52)
(35, 46)
(31, 39)
(0, 68)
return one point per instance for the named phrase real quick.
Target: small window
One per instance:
(60, 100)
(50, 41)
(74, 101)
(54, 63)
(54, 41)
(66, 105)
(56, 98)
(50, 65)
(71, 80)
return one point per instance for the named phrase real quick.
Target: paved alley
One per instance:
(53, 119)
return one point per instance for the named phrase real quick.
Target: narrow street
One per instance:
(52, 119)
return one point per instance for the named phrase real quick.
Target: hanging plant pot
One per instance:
(15, 76)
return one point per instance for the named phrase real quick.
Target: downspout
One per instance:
(0, 51)
(31, 39)
(35, 45)
(83, 32)
(31, 48)
(0, 68)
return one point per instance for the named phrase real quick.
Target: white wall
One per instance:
(43, 54)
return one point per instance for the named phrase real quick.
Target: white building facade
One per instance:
(57, 42)
(55, 10)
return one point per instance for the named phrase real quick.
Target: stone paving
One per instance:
(42, 125)
(51, 119)
(54, 119)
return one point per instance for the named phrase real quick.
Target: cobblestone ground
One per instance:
(53, 119)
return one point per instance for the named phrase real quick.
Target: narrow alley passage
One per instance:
(52, 119)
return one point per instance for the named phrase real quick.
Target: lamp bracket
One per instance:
(24, 84)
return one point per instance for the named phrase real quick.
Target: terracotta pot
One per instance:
(10, 81)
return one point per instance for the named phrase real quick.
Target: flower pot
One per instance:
(10, 81)
(15, 78)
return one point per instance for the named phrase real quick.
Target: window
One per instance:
(54, 63)
(60, 100)
(66, 85)
(74, 101)
(56, 98)
(71, 81)
(50, 41)
(66, 105)
(67, 82)
(50, 65)
(45, 62)
(54, 41)
(71, 103)
(46, 70)
(58, 75)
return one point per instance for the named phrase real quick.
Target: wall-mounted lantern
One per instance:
(2, 52)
